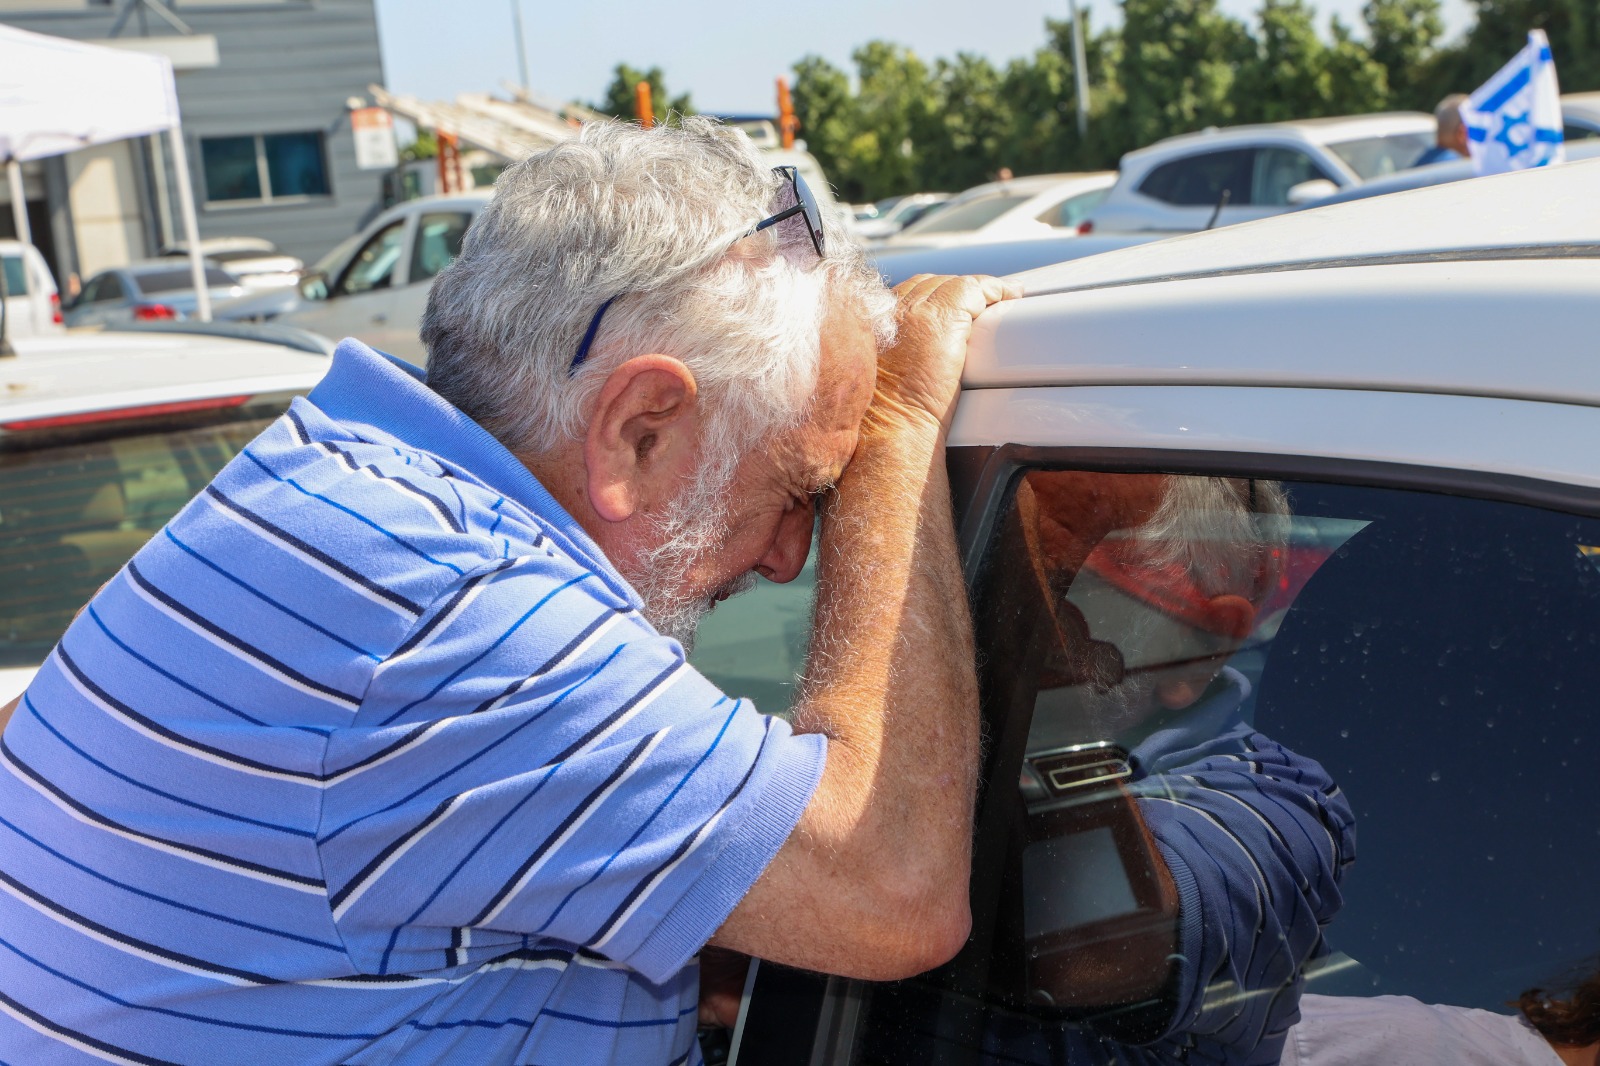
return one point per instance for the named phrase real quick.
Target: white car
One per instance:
(1418, 392)
(106, 435)
(1221, 176)
(1580, 114)
(900, 213)
(378, 289)
(256, 262)
(32, 304)
(1044, 205)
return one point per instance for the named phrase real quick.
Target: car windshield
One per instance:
(76, 503)
(16, 276)
(965, 217)
(179, 280)
(1373, 157)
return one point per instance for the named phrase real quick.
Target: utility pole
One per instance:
(1080, 71)
(522, 50)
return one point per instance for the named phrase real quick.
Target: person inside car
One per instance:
(386, 749)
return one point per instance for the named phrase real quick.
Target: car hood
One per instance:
(1506, 215)
(998, 257)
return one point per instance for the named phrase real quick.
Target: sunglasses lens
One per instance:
(808, 204)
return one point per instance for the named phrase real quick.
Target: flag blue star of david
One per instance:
(1514, 119)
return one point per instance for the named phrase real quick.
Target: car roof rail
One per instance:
(267, 332)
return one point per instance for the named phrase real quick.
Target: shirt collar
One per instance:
(369, 390)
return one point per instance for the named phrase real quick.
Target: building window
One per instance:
(264, 168)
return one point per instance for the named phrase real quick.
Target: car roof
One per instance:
(78, 371)
(1315, 130)
(1475, 288)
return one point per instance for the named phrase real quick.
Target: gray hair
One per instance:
(1227, 534)
(651, 220)
(1448, 115)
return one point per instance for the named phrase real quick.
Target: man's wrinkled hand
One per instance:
(920, 376)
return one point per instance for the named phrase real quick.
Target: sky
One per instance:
(726, 53)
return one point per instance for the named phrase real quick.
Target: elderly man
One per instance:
(385, 749)
(1450, 139)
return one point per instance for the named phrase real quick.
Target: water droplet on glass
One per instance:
(1344, 733)
(1434, 776)
(1497, 640)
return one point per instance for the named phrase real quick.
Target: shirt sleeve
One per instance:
(1258, 839)
(535, 768)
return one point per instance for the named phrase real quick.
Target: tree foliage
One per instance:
(897, 123)
(618, 100)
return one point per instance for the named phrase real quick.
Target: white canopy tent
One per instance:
(58, 95)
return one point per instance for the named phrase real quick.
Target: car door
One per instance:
(1225, 186)
(435, 243)
(101, 298)
(1422, 651)
(362, 301)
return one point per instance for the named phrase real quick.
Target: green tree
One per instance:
(967, 127)
(829, 122)
(1403, 37)
(619, 97)
(895, 104)
(1176, 69)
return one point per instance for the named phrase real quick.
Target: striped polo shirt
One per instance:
(369, 757)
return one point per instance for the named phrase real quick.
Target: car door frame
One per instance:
(815, 1019)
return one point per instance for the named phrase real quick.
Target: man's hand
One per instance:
(921, 375)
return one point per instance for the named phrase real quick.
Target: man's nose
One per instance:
(787, 556)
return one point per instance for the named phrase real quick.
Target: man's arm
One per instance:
(872, 882)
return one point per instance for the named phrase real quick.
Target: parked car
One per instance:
(891, 218)
(998, 257)
(254, 261)
(1043, 205)
(375, 285)
(103, 437)
(32, 304)
(151, 290)
(1407, 385)
(1221, 176)
(1580, 116)
(1436, 174)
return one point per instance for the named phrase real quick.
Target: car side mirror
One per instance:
(1310, 191)
(314, 286)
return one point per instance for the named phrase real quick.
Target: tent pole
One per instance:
(197, 264)
(19, 203)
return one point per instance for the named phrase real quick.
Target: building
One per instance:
(265, 88)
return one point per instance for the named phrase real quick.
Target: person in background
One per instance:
(1450, 142)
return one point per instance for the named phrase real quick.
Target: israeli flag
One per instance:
(1514, 119)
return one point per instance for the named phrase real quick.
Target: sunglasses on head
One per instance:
(804, 207)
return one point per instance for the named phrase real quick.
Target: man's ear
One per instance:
(1230, 615)
(642, 434)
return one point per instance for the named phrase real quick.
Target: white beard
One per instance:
(694, 527)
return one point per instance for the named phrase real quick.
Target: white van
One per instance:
(32, 304)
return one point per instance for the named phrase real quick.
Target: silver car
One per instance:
(154, 290)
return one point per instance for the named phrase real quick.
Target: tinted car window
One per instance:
(181, 280)
(1276, 171)
(16, 275)
(373, 267)
(437, 243)
(1212, 663)
(75, 504)
(1200, 180)
(1579, 133)
(105, 287)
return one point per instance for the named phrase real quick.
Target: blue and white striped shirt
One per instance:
(369, 757)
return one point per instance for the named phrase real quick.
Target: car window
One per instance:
(1200, 180)
(1276, 171)
(16, 275)
(437, 243)
(105, 287)
(1074, 209)
(965, 217)
(1248, 737)
(75, 505)
(373, 267)
(1579, 133)
(181, 280)
(1373, 157)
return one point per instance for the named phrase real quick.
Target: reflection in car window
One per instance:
(1277, 170)
(76, 504)
(1225, 675)
(1200, 180)
(373, 267)
(437, 243)
(1074, 209)
(964, 217)
(16, 275)
(1373, 157)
